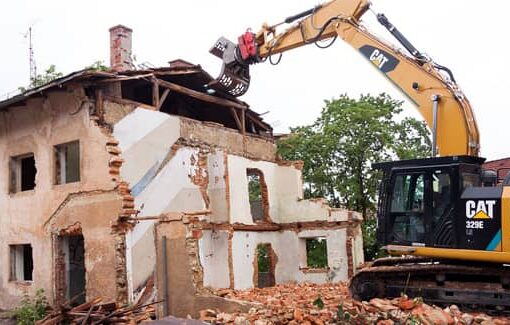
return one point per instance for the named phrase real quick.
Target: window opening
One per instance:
(22, 263)
(67, 163)
(23, 171)
(257, 192)
(317, 253)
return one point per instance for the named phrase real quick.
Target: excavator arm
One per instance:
(429, 85)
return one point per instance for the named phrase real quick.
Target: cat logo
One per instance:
(378, 58)
(482, 209)
(381, 59)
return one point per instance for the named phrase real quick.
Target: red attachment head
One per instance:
(247, 46)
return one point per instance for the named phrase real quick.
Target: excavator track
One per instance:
(471, 286)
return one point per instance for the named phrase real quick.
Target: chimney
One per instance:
(120, 48)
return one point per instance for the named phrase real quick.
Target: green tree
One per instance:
(49, 74)
(98, 65)
(340, 146)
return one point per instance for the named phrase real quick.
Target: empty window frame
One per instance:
(67, 162)
(22, 263)
(316, 253)
(22, 173)
(257, 191)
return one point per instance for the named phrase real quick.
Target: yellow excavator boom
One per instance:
(429, 86)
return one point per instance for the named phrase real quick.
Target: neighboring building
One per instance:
(135, 182)
(500, 166)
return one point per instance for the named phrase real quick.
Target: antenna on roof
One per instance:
(33, 67)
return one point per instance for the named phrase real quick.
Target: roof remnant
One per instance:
(184, 78)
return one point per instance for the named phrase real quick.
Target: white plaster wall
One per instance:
(217, 187)
(291, 253)
(145, 138)
(285, 192)
(358, 257)
(213, 251)
(172, 190)
(239, 199)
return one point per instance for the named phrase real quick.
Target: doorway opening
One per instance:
(265, 264)
(70, 268)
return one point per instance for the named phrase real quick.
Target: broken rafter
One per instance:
(99, 103)
(163, 98)
(243, 121)
(236, 118)
(198, 95)
(257, 121)
(155, 92)
(124, 78)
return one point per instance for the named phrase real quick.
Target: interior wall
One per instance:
(161, 177)
(289, 249)
(213, 253)
(285, 194)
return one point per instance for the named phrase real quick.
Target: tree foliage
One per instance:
(49, 74)
(340, 146)
(98, 65)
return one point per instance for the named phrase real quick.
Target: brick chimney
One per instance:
(120, 48)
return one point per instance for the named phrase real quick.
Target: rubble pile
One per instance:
(96, 312)
(314, 304)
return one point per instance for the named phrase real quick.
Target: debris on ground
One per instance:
(170, 320)
(97, 312)
(313, 304)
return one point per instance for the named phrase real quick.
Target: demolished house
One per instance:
(139, 182)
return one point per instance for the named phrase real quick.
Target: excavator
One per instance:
(444, 220)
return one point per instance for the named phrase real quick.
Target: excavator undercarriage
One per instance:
(470, 285)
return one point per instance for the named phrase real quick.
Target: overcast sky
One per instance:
(470, 37)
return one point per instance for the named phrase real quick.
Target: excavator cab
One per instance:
(437, 203)
(447, 221)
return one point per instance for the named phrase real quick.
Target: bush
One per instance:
(371, 248)
(32, 309)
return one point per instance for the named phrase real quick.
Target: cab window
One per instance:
(407, 208)
(441, 194)
(470, 180)
(408, 193)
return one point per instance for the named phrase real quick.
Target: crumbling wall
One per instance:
(214, 255)
(92, 214)
(163, 177)
(203, 167)
(177, 267)
(285, 197)
(252, 146)
(39, 125)
(290, 250)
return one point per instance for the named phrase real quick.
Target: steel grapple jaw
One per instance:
(234, 77)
